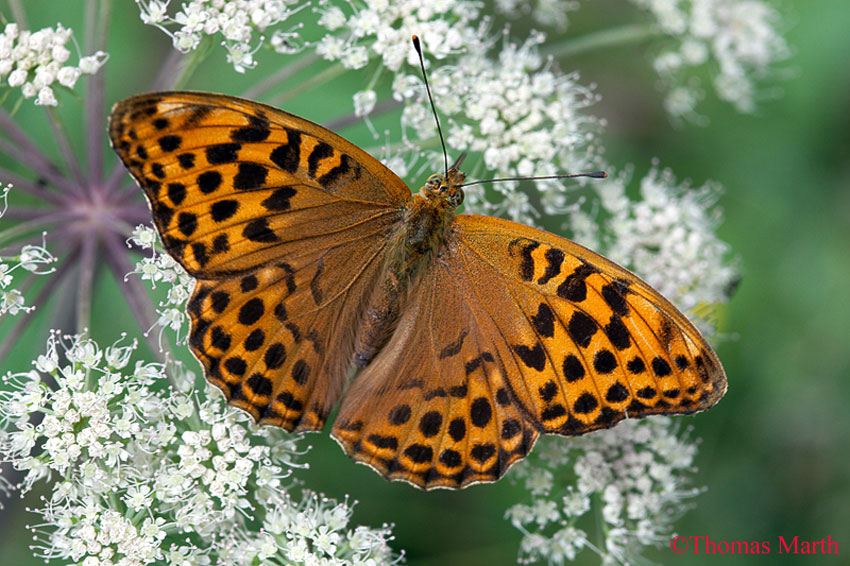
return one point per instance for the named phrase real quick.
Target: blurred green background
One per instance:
(775, 454)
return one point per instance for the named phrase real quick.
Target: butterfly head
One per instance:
(446, 187)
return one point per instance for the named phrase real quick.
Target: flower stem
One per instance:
(15, 232)
(46, 291)
(97, 24)
(191, 63)
(605, 39)
(18, 15)
(319, 78)
(24, 151)
(87, 267)
(61, 137)
(351, 118)
(276, 78)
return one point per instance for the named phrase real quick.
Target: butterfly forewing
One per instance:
(235, 184)
(284, 223)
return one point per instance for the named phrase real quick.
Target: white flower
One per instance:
(364, 102)
(34, 61)
(668, 238)
(237, 21)
(544, 12)
(738, 38)
(517, 112)
(624, 473)
(383, 30)
(93, 438)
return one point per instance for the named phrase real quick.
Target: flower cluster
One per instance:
(382, 30)
(150, 471)
(236, 20)
(738, 38)
(667, 237)
(639, 474)
(32, 259)
(161, 267)
(36, 61)
(550, 13)
(519, 113)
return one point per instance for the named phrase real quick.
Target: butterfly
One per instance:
(450, 342)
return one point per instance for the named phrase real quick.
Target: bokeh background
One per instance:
(775, 453)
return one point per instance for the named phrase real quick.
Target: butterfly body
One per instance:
(410, 248)
(471, 335)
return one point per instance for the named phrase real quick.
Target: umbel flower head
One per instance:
(148, 470)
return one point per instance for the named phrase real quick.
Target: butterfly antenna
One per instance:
(418, 48)
(592, 175)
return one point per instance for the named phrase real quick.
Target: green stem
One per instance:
(18, 15)
(191, 63)
(427, 143)
(322, 77)
(24, 228)
(64, 144)
(281, 75)
(614, 37)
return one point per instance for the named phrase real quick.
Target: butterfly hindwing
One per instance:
(277, 341)
(514, 332)
(434, 408)
(285, 225)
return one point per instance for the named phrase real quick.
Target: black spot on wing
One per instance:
(279, 199)
(209, 181)
(223, 153)
(186, 160)
(521, 249)
(480, 412)
(250, 176)
(258, 131)
(453, 349)
(554, 259)
(223, 209)
(574, 287)
(334, 174)
(534, 357)
(321, 151)
(573, 368)
(258, 231)
(544, 321)
(170, 142)
(586, 403)
(287, 156)
(176, 192)
(315, 289)
(617, 333)
(581, 328)
(613, 293)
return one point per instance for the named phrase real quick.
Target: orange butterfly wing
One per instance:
(509, 332)
(282, 221)
(514, 331)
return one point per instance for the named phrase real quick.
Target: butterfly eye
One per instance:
(434, 181)
(457, 198)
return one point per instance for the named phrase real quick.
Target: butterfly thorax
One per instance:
(411, 248)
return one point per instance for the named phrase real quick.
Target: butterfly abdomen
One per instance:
(411, 248)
